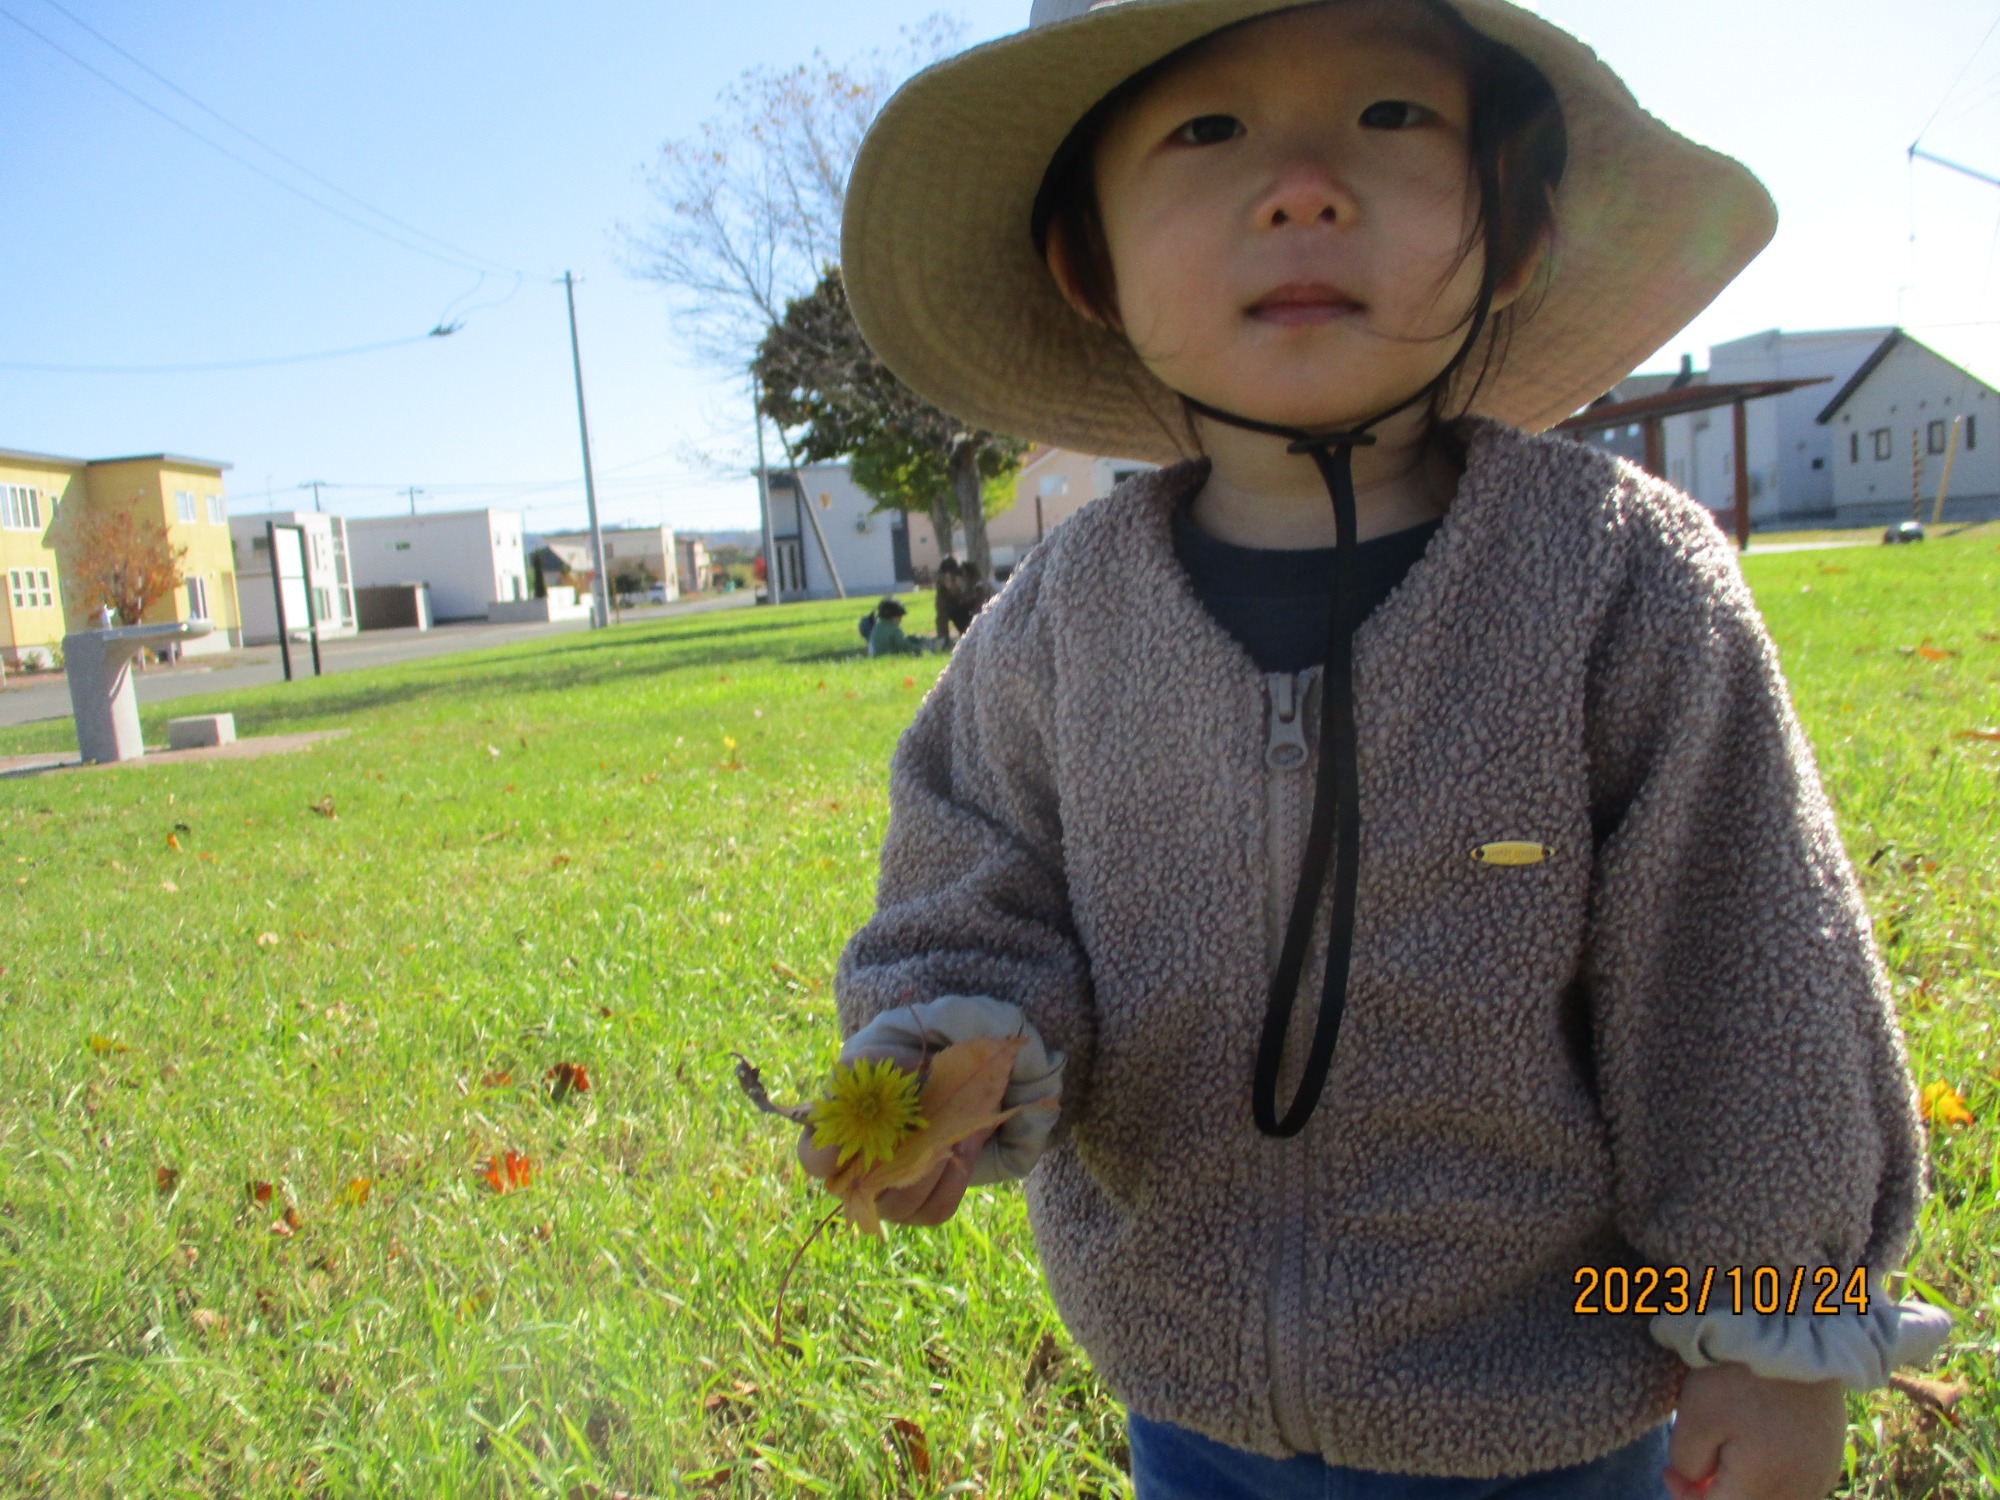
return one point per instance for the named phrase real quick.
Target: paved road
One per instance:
(25, 701)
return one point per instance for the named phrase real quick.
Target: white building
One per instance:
(1919, 398)
(871, 549)
(327, 574)
(470, 558)
(627, 550)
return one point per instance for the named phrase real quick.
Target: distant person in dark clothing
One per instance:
(948, 577)
(961, 594)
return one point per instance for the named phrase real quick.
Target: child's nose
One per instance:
(1305, 192)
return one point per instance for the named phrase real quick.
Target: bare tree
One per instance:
(747, 208)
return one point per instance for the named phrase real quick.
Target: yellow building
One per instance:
(183, 494)
(32, 485)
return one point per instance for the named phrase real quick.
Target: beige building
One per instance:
(31, 614)
(626, 550)
(1053, 485)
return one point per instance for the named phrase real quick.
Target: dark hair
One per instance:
(890, 609)
(1519, 150)
(949, 565)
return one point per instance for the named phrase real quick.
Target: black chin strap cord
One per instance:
(1336, 817)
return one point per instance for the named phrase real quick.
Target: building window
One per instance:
(1819, 463)
(20, 508)
(217, 516)
(197, 598)
(1969, 420)
(25, 589)
(1854, 447)
(1881, 437)
(184, 504)
(1934, 437)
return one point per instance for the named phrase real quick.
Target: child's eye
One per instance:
(1209, 130)
(1393, 114)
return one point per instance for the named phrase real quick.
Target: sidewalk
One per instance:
(47, 697)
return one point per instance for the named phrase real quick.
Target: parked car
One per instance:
(1904, 531)
(657, 594)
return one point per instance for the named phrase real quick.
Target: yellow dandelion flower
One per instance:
(868, 1109)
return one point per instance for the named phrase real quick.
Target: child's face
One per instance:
(1284, 208)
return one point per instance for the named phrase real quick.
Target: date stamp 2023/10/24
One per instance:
(1645, 1290)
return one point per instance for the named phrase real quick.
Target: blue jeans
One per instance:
(1171, 1463)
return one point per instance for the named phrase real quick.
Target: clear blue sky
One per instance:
(518, 130)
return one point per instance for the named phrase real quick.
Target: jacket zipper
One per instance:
(1286, 755)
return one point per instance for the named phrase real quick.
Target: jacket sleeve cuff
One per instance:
(1857, 1349)
(1014, 1148)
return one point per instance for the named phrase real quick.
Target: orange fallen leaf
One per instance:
(565, 1078)
(174, 842)
(356, 1192)
(961, 1097)
(906, 1439)
(508, 1171)
(1932, 653)
(909, 682)
(499, 1078)
(1940, 1104)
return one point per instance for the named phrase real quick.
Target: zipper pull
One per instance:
(1285, 748)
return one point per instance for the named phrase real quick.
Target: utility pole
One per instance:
(412, 491)
(315, 484)
(600, 595)
(764, 500)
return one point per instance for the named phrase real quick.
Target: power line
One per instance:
(458, 260)
(225, 364)
(1970, 58)
(263, 145)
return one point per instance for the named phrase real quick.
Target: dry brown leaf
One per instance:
(1939, 1395)
(165, 1180)
(961, 1097)
(1991, 736)
(207, 1321)
(906, 1440)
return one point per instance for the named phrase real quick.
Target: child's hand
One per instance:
(931, 1199)
(1739, 1436)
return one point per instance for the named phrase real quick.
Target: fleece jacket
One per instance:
(1665, 1042)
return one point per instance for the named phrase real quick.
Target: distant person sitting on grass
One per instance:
(885, 636)
(961, 594)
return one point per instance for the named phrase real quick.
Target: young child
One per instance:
(1389, 828)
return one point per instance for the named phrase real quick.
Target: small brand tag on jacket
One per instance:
(1512, 852)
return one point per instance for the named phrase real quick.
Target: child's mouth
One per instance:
(1300, 303)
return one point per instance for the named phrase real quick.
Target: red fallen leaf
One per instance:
(207, 856)
(260, 1192)
(906, 1440)
(499, 1078)
(165, 1180)
(565, 1078)
(508, 1171)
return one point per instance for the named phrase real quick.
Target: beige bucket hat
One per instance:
(951, 291)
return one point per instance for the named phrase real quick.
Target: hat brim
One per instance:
(952, 293)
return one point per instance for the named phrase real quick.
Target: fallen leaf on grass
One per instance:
(356, 1192)
(909, 682)
(499, 1078)
(174, 842)
(324, 807)
(165, 1179)
(208, 1323)
(1990, 736)
(558, 861)
(961, 1097)
(1940, 1104)
(286, 1224)
(1933, 653)
(508, 1171)
(566, 1078)
(267, 940)
(260, 1192)
(1939, 1395)
(103, 1044)
(908, 1445)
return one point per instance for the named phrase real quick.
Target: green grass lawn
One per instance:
(635, 851)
